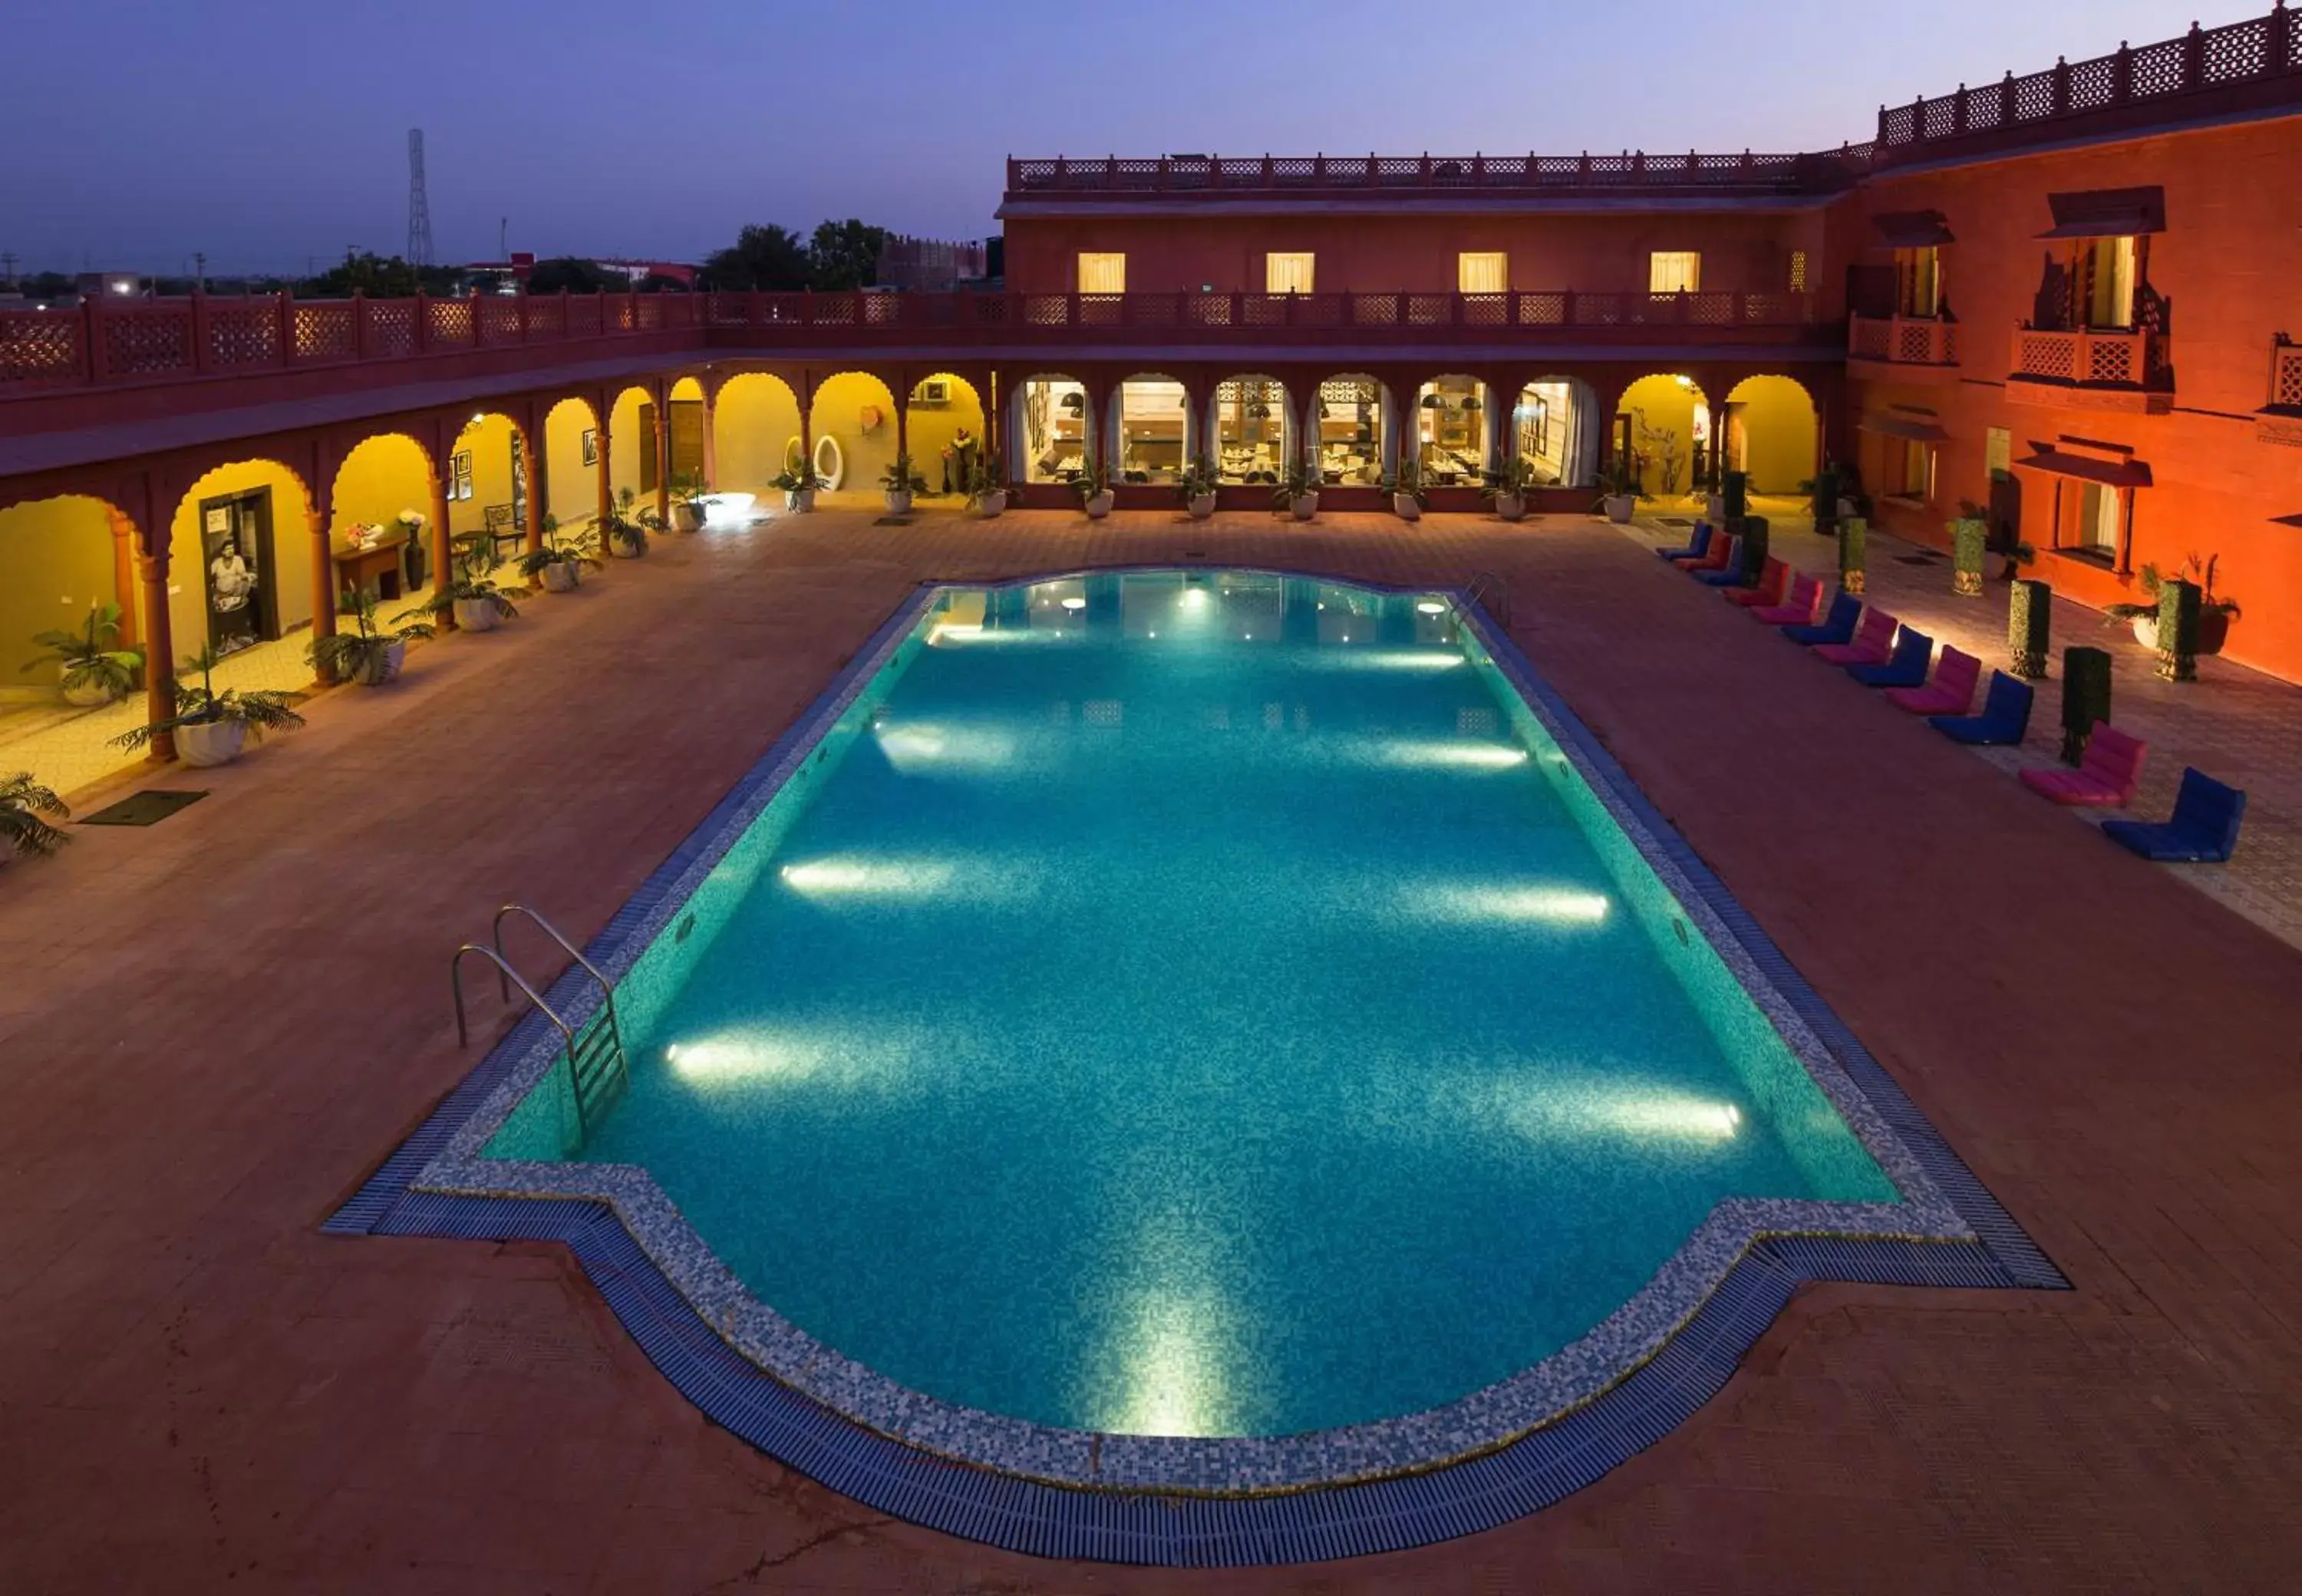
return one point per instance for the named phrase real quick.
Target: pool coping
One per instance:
(1490, 1456)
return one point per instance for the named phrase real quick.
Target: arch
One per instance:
(631, 449)
(1151, 429)
(571, 491)
(1670, 433)
(1052, 429)
(856, 411)
(240, 561)
(755, 430)
(1450, 429)
(1354, 419)
(1252, 423)
(59, 557)
(686, 391)
(1772, 432)
(486, 479)
(946, 421)
(1554, 427)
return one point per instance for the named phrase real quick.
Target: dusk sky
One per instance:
(265, 134)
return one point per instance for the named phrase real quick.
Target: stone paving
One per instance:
(212, 1029)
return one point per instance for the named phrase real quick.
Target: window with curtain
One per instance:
(2099, 510)
(1481, 273)
(2108, 271)
(1674, 272)
(1917, 274)
(1287, 274)
(1102, 274)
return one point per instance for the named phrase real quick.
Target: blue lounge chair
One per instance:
(1729, 575)
(1838, 627)
(1695, 550)
(1914, 651)
(2203, 829)
(2005, 715)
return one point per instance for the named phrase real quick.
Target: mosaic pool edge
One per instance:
(1949, 1231)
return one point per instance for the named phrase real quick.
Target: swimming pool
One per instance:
(1198, 1031)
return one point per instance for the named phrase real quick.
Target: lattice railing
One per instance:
(1903, 340)
(2097, 358)
(2286, 375)
(1209, 174)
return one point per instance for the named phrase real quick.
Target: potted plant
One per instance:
(688, 509)
(1970, 536)
(898, 482)
(1506, 488)
(1619, 491)
(23, 829)
(986, 485)
(799, 482)
(558, 566)
(1853, 554)
(2086, 698)
(211, 727)
(1195, 489)
(477, 606)
(1095, 490)
(1298, 492)
(2029, 628)
(93, 671)
(1404, 486)
(2215, 613)
(364, 654)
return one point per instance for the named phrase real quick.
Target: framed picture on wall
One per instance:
(460, 476)
(591, 446)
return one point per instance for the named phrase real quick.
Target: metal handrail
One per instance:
(1485, 586)
(607, 992)
(505, 971)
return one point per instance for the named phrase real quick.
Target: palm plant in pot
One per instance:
(94, 672)
(477, 605)
(558, 566)
(986, 485)
(366, 654)
(1298, 492)
(898, 482)
(2215, 612)
(1408, 497)
(1195, 489)
(799, 482)
(688, 508)
(1506, 488)
(1095, 490)
(211, 727)
(1619, 491)
(24, 828)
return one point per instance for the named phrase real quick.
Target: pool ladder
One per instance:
(597, 1072)
(1485, 588)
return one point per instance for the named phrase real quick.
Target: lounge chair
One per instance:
(1798, 610)
(2005, 717)
(2203, 829)
(2105, 779)
(1774, 585)
(1696, 548)
(1873, 643)
(1907, 667)
(1836, 628)
(1713, 556)
(1951, 692)
(1729, 571)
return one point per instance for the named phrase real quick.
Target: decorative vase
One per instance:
(991, 503)
(382, 665)
(899, 501)
(684, 517)
(477, 615)
(1201, 506)
(559, 577)
(204, 745)
(88, 695)
(1405, 507)
(800, 500)
(1621, 507)
(1511, 507)
(1098, 506)
(1303, 506)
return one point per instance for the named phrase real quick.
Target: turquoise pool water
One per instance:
(1200, 1003)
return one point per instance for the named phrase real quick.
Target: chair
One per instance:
(2105, 779)
(1873, 643)
(1713, 556)
(1837, 627)
(502, 529)
(2203, 829)
(1907, 667)
(2005, 717)
(1774, 585)
(1696, 548)
(1798, 610)
(1951, 692)
(1728, 572)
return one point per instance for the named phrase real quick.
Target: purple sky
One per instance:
(266, 133)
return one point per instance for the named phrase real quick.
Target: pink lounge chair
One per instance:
(1721, 545)
(1951, 692)
(2105, 779)
(1799, 609)
(1774, 583)
(1873, 645)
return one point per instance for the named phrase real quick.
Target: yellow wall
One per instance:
(754, 418)
(1779, 433)
(55, 566)
(383, 476)
(1665, 405)
(931, 430)
(839, 404)
(571, 488)
(291, 550)
(628, 446)
(489, 441)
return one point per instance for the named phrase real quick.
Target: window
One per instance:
(1918, 281)
(1674, 272)
(1998, 452)
(1798, 271)
(2107, 270)
(1102, 273)
(1287, 274)
(1481, 273)
(1915, 472)
(2099, 509)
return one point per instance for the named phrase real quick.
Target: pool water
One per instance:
(1197, 1004)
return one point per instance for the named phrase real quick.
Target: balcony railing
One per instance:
(2286, 375)
(1903, 340)
(2088, 358)
(1190, 176)
(108, 343)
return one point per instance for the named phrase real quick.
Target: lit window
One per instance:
(1287, 274)
(1674, 272)
(2099, 512)
(1483, 274)
(1102, 273)
(1798, 271)
(2108, 268)
(1917, 273)
(1918, 470)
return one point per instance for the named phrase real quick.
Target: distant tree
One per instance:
(571, 274)
(382, 276)
(45, 285)
(763, 256)
(844, 254)
(655, 282)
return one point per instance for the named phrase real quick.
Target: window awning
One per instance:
(2107, 214)
(1917, 429)
(1912, 229)
(2109, 473)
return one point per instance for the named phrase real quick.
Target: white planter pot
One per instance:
(1098, 507)
(92, 696)
(1621, 507)
(1511, 507)
(1846, 507)
(801, 502)
(991, 503)
(382, 668)
(560, 577)
(1201, 506)
(1404, 506)
(1714, 509)
(211, 743)
(684, 517)
(2145, 631)
(1303, 506)
(898, 504)
(617, 551)
(477, 615)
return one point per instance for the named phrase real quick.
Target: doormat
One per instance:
(147, 808)
(1918, 559)
(893, 521)
(1675, 521)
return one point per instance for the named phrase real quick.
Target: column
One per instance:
(323, 583)
(123, 577)
(606, 509)
(159, 650)
(1390, 431)
(807, 419)
(710, 443)
(538, 491)
(902, 396)
(663, 461)
(992, 398)
(443, 548)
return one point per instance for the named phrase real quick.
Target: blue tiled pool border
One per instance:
(1196, 1523)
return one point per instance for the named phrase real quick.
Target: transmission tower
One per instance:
(420, 209)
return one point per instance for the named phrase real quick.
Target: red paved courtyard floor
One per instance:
(211, 1031)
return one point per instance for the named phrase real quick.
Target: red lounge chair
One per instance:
(1951, 692)
(1774, 583)
(2105, 779)
(1721, 545)
(1873, 645)
(1806, 598)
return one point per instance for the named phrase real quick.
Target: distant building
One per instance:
(932, 263)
